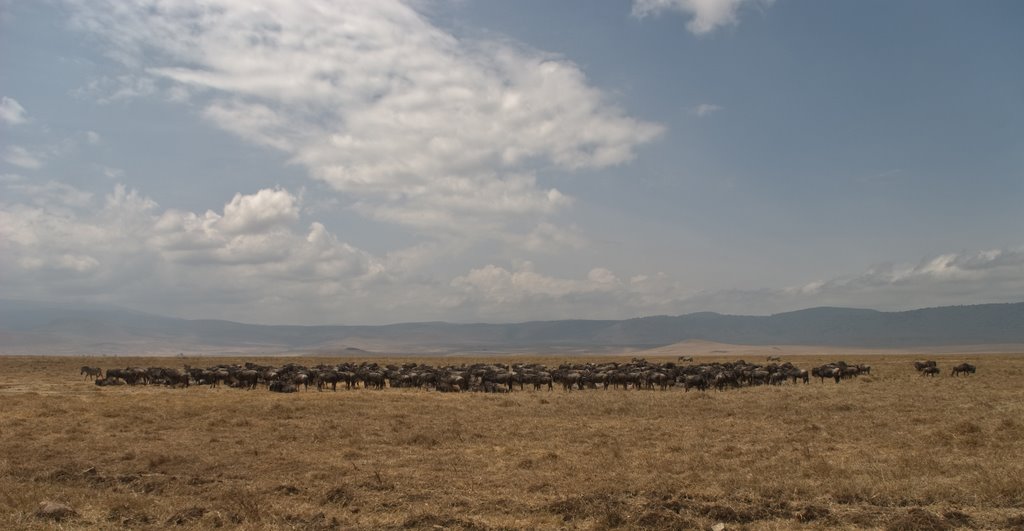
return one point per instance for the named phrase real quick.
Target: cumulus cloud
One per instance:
(57, 242)
(419, 127)
(707, 15)
(11, 112)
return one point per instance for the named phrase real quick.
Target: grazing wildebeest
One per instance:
(964, 368)
(326, 378)
(374, 380)
(726, 379)
(92, 372)
(828, 371)
(922, 365)
(278, 386)
(248, 378)
(695, 380)
(930, 371)
(123, 374)
(174, 377)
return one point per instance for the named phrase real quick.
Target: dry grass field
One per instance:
(890, 450)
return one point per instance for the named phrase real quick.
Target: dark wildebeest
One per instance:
(695, 380)
(278, 386)
(374, 380)
(964, 368)
(248, 378)
(174, 377)
(922, 365)
(92, 372)
(828, 371)
(930, 371)
(326, 378)
(125, 374)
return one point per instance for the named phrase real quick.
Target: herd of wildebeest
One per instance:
(496, 377)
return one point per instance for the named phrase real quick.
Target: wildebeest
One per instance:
(131, 376)
(283, 387)
(828, 371)
(92, 372)
(174, 377)
(930, 371)
(695, 380)
(922, 365)
(248, 378)
(964, 368)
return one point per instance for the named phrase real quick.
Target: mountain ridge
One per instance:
(28, 325)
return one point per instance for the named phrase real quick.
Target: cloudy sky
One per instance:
(358, 162)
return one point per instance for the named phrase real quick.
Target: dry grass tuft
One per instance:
(186, 516)
(958, 518)
(917, 519)
(340, 496)
(1015, 523)
(430, 520)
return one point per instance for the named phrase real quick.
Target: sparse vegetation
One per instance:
(893, 451)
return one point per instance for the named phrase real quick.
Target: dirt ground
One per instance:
(890, 450)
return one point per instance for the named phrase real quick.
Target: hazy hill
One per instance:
(32, 327)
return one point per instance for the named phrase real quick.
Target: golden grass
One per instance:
(890, 450)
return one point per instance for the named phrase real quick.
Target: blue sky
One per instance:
(373, 162)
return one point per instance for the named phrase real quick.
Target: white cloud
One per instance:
(419, 127)
(92, 137)
(23, 158)
(11, 112)
(57, 241)
(247, 214)
(706, 109)
(707, 15)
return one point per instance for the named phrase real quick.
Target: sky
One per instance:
(357, 162)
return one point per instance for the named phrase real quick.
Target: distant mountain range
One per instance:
(41, 328)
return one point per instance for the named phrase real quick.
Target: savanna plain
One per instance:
(889, 450)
